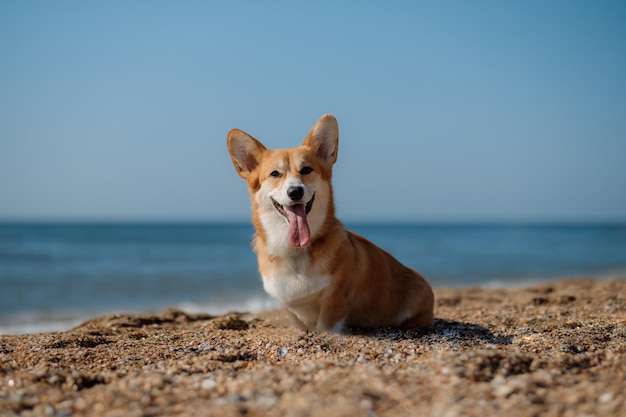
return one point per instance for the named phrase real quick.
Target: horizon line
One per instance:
(358, 221)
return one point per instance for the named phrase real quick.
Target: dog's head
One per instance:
(290, 189)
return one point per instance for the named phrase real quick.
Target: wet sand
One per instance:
(556, 349)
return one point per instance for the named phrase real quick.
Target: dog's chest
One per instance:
(293, 288)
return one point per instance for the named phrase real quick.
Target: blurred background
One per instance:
(482, 143)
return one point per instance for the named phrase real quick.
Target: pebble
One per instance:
(606, 397)
(208, 384)
(503, 390)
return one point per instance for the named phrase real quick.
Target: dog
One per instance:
(327, 277)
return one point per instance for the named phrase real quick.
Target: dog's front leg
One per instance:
(333, 315)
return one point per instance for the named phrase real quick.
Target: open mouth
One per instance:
(299, 233)
(281, 209)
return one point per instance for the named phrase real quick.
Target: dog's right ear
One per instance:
(245, 151)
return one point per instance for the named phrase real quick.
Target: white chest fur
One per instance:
(293, 288)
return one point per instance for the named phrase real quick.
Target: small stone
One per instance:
(282, 351)
(208, 384)
(366, 404)
(503, 390)
(237, 398)
(265, 402)
(606, 397)
(53, 380)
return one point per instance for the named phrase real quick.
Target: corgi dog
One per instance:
(327, 277)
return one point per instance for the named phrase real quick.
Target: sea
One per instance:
(55, 275)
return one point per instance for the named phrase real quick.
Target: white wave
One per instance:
(60, 321)
(252, 304)
(39, 322)
(537, 280)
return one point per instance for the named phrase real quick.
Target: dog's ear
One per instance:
(323, 138)
(245, 151)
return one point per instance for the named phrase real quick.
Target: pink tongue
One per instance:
(299, 233)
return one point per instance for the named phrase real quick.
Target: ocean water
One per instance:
(53, 276)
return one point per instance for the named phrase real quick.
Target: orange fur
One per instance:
(325, 275)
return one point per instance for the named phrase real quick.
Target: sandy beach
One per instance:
(556, 349)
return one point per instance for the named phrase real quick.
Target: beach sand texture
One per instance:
(556, 349)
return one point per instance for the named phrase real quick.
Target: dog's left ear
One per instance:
(323, 138)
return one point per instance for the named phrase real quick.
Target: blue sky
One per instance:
(448, 111)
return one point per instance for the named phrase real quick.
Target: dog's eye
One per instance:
(306, 170)
(275, 174)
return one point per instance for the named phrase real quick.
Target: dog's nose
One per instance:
(295, 193)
